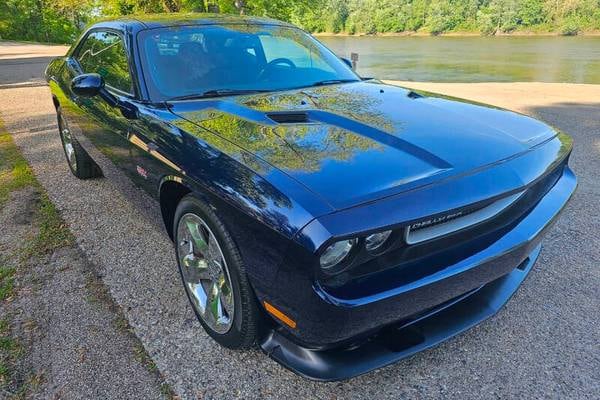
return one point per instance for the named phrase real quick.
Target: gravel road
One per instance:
(75, 339)
(544, 344)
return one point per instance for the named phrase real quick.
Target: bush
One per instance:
(569, 28)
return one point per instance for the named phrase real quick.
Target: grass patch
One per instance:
(7, 282)
(15, 173)
(168, 392)
(10, 350)
(53, 233)
(143, 358)
(121, 323)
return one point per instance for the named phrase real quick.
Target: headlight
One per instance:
(376, 240)
(336, 253)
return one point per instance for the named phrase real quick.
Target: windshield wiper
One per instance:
(333, 82)
(217, 93)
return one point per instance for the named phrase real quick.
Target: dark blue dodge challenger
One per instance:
(340, 223)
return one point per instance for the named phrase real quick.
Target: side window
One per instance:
(104, 54)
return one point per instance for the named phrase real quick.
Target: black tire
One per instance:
(83, 166)
(246, 316)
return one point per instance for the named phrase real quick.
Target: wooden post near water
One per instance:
(354, 59)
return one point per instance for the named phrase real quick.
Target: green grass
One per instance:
(10, 351)
(53, 231)
(143, 358)
(7, 282)
(15, 173)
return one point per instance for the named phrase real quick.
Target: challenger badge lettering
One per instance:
(436, 220)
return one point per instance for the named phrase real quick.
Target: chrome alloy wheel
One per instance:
(205, 274)
(67, 141)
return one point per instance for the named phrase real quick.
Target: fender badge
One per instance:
(142, 172)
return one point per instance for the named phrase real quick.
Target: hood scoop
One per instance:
(295, 117)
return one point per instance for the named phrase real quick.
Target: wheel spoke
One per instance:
(195, 272)
(199, 241)
(198, 296)
(213, 252)
(214, 307)
(226, 295)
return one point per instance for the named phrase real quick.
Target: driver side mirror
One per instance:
(90, 85)
(87, 85)
(347, 62)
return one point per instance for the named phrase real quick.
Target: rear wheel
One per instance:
(80, 163)
(214, 276)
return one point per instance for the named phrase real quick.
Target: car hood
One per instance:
(358, 142)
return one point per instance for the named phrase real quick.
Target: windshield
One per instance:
(227, 59)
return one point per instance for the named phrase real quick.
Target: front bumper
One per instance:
(454, 300)
(395, 343)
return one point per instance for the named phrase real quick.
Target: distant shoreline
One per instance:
(456, 34)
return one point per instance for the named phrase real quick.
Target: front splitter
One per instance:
(392, 345)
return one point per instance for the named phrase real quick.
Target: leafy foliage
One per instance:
(62, 20)
(439, 16)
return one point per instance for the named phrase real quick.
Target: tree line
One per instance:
(62, 20)
(488, 17)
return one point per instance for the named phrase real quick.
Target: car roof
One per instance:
(149, 21)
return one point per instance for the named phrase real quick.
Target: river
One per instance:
(474, 59)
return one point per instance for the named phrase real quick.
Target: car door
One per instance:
(120, 137)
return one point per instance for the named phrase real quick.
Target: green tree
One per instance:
(62, 20)
(441, 16)
(43, 20)
(531, 12)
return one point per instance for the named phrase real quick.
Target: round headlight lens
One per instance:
(376, 240)
(336, 253)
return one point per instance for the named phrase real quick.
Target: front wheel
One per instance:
(214, 276)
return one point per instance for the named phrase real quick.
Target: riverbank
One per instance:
(594, 33)
(515, 95)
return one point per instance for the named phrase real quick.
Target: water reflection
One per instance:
(298, 146)
(350, 134)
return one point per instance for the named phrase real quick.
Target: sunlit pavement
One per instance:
(22, 64)
(543, 344)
